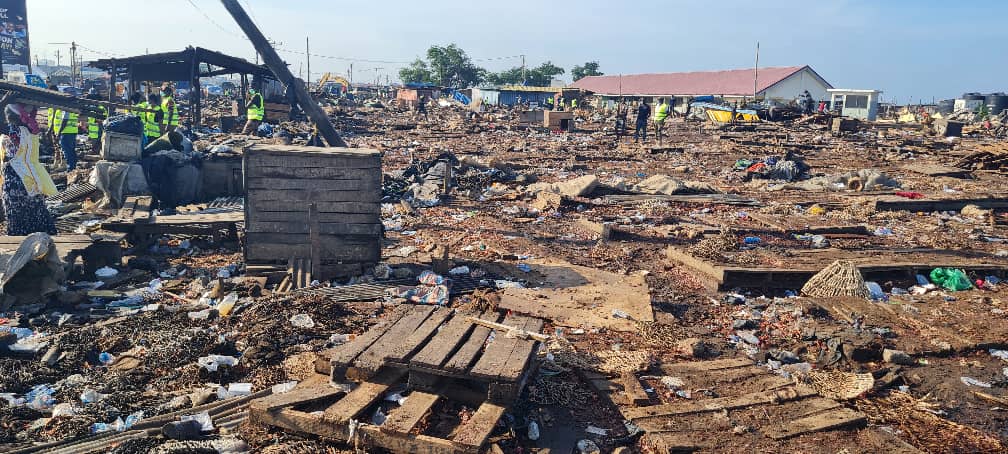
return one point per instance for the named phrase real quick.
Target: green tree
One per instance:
(588, 69)
(416, 72)
(540, 76)
(451, 67)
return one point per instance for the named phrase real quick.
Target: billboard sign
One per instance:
(14, 32)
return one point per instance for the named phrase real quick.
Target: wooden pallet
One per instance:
(347, 415)
(438, 346)
(680, 425)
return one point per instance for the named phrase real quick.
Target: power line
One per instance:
(221, 27)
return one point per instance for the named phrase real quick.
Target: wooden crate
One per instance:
(438, 346)
(283, 184)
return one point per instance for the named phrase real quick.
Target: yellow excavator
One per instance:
(333, 84)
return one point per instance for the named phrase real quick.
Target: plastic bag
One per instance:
(951, 279)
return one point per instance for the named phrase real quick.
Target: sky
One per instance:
(912, 50)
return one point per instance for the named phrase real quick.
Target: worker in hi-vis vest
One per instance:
(256, 109)
(661, 112)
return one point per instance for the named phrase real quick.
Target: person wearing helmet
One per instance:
(256, 109)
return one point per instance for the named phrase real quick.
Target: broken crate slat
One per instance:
(345, 354)
(404, 418)
(498, 351)
(833, 419)
(517, 362)
(716, 404)
(412, 343)
(463, 359)
(374, 357)
(471, 435)
(314, 388)
(444, 343)
(700, 366)
(362, 396)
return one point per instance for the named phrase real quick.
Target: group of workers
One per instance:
(560, 103)
(661, 113)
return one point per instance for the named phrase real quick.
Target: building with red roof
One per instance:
(780, 84)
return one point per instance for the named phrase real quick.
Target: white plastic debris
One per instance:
(970, 381)
(533, 431)
(64, 409)
(1003, 354)
(283, 387)
(596, 430)
(302, 321)
(212, 362)
(203, 418)
(459, 270)
(397, 398)
(378, 418)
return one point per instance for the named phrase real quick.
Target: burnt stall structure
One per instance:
(190, 65)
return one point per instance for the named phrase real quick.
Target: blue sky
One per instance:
(909, 49)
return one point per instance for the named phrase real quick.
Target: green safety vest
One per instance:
(661, 112)
(258, 109)
(170, 118)
(151, 126)
(63, 122)
(94, 125)
(573, 103)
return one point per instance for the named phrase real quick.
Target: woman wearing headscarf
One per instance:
(25, 181)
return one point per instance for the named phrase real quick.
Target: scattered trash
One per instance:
(105, 272)
(969, 381)
(302, 321)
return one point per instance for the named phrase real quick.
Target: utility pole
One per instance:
(283, 74)
(350, 75)
(524, 79)
(307, 52)
(755, 80)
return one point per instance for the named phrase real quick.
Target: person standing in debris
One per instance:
(25, 181)
(64, 125)
(152, 120)
(256, 109)
(421, 106)
(643, 113)
(621, 117)
(170, 109)
(95, 124)
(661, 113)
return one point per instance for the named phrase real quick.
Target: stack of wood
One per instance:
(321, 205)
(990, 159)
(841, 278)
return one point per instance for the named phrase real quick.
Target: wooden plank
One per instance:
(815, 405)
(361, 397)
(299, 206)
(523, 351)
(345, 354)
(367, 435)
(310, 173)
(313, 235)
(302, 216)
(419, 337)
(405, 418)
(295, 160)
(370, 182)
(697, 366)
(634, 391)
(463, 359)
(445, 342)
(314, 388)
(255, 252)
(716, 404)
(324, 229)
(498, 352)
(936, 170)
(474, 433)
(901, 204)
(372, 359)
(832, 419)
(270, 149)
(713, 271)
(257, 196)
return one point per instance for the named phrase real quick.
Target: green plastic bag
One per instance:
(951, 279)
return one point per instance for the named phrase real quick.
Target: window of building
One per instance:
(857, 102)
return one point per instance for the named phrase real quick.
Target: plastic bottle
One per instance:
(106, 358)
(227, 304)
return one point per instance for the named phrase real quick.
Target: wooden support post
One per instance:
(112, 83)
(316, 243)
(197, 95)
(283, 74)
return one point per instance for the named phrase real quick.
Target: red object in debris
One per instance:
(756, 167)
(910, 195)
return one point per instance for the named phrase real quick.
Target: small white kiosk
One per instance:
(860, 104)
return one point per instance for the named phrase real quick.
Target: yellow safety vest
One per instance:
(258, 109)
(63, 122)
(661, 112)
(151, 126)
(574, 103)
(94, 125)
(170, 118)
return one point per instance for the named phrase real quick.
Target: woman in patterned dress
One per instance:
(25, 181)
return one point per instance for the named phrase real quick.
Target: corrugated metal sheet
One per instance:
(510, 98)
(737, 82)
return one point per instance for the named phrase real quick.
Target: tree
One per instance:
(589, 69)
(451, 67)
(540, 76)
(416, 72)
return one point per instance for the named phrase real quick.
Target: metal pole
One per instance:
(524, 78)
(755, 82)
(283, 74)
(307, 52)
